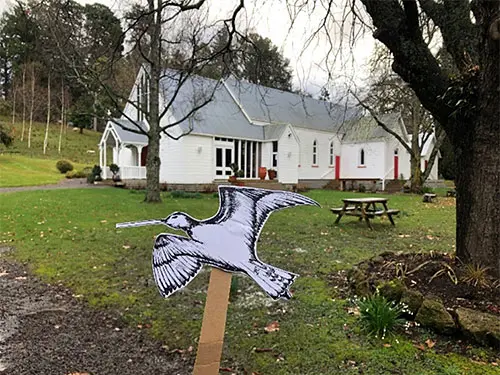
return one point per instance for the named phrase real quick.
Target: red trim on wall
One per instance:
(337, 167)
(396, 167)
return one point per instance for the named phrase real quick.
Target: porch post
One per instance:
(104, 171)
(139, 152)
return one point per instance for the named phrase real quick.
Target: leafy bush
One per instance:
(78, 174)
(95, 174)
(114, 169)
(185, 195)
(362, 188)
(379, 316)
(64, 166)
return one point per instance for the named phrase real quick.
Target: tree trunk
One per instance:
(46, 138)
(24, 102)
(13, 105)
(153, 158)
(477, 145)
(94, 109)
(416, 151)
(62, 118)
(32, 103)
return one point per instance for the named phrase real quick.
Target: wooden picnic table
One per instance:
(365, 209)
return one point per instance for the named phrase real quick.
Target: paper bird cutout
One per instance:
(227, 240)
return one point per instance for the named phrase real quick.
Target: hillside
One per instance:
(74, 147)
(23, 166)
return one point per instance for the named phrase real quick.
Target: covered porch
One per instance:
(129, 150)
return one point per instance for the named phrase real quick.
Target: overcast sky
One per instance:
(271, 19)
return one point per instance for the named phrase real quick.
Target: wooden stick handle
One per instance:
(213, 325)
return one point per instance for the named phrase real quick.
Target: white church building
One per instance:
(306, 141)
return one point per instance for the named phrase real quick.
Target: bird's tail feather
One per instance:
(273, 280)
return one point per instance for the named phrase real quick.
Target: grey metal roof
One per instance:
(272, 106)
(221, 116)
(121, 127)
(366, 128)
(274, 132)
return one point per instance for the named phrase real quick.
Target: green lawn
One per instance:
(74, 146)
(18, 170)
(69, 236)
(23, 166)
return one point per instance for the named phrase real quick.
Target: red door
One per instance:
(144, 155)
(396, 167)
(337, 167)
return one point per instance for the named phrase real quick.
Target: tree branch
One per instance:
(382, 124)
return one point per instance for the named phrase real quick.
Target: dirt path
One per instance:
(44, 329)
(74, 183)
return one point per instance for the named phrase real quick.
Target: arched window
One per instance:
(332, 154)
(315, 152)
(396, 152)
(362, 157)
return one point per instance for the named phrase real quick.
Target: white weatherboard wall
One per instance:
(128, 156)
(288, 158)
(188, 160)
(322, 170)
(267, 149)
(374, 160)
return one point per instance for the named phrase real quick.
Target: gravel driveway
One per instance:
(44, 329)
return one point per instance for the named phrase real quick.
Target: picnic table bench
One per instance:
(365, 209)
(428, 197)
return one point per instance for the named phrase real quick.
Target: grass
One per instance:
(74, 145)
(69, 237)
(18, 170)
(23, 166)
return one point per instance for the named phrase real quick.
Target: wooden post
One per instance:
(213, 325)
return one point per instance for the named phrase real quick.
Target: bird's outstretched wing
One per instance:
(174, 262)
(250, 207)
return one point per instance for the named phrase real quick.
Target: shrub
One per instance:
(64, 166)
(362, 188)
(379, 316)
(96, 172)
(114, 169)
(78, 174)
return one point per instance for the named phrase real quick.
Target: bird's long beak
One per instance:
(141, 223)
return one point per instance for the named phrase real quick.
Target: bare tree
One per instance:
(32, 107)
(46, 138)
(160, 30)
(465, 104)
(389, 93)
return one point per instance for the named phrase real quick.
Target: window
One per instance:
(315, 152)
(395, 152)
(332, 154)
(362, 157)
(275, 154)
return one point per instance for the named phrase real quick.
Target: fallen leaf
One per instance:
(421, 347)
(272, 327)
(104, 221)
(430, 343)
(126, 246)
(353, 311)
(387, 345)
